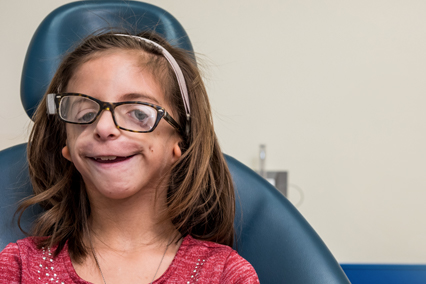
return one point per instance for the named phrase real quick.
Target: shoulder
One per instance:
(205, 248)
(206, 251)
(12, 258)
(14, 251)
(24, 262)
(23, 249)
(238, 270)
(208, 262)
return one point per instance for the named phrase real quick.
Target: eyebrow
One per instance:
(137, 97)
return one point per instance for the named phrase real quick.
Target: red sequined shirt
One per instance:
(195, 262)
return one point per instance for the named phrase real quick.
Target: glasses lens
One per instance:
(78, 109)
(135, 117)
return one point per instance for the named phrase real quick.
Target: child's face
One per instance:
(142, 158)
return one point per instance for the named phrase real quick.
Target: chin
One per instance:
(112, 191)
(118, 194)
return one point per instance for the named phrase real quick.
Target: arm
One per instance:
(237, 270)
(10, 265)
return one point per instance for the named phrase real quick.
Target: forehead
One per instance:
(114, 73)
(139, 59)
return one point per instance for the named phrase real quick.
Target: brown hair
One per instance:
(200, 196)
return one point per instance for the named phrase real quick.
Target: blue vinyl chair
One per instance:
(271, 234)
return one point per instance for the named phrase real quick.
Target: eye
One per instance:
(137, 117)
(77, 109)
(86, 116)
(80, 109)
(139, 114)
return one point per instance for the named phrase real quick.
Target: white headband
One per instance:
(176, 69)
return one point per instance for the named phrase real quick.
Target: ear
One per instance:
(177, 152)
(66, 153)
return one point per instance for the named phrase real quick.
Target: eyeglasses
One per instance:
(133, 116)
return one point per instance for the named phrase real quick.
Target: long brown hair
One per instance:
(200, 196)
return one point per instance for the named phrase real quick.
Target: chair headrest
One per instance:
(66, 26)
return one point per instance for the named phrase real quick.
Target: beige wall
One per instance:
(335, 89)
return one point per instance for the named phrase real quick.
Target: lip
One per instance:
(110, 159)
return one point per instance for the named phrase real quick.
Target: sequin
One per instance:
(52, 276)
(196, 271)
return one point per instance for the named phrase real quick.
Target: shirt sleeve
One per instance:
(10, 264)
(237, 270)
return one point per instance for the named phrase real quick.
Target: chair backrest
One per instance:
(271, 233)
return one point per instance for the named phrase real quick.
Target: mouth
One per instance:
(110, 159)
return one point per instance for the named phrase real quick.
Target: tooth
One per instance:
(108, 158)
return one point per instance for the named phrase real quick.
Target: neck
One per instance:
(130, 223)
(127, 241)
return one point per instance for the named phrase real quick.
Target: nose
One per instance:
(105, 128)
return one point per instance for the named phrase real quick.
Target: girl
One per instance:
(128, 169)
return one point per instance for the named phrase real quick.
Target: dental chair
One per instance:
(271, 234)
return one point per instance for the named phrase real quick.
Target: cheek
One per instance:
(154, 145)
(160, 141)
(151, 149)
(74, 140)
(166, 144)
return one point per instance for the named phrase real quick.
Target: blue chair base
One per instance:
(385, 274)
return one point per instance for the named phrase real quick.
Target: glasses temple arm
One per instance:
(167, 117)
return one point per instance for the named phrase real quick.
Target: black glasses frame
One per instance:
(161, 112)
